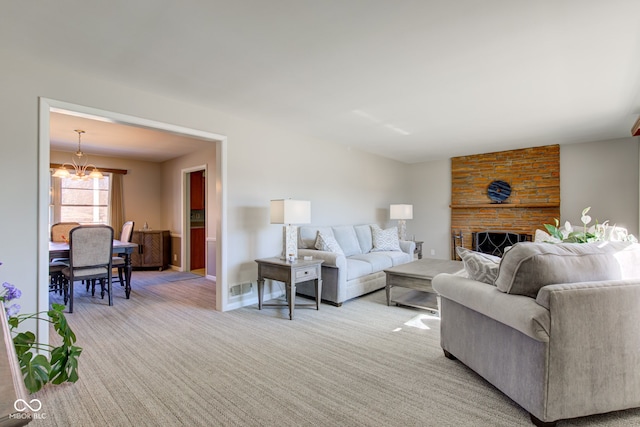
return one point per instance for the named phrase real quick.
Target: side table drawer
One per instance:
(306, 274)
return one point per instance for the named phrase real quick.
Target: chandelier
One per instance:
(79, 164)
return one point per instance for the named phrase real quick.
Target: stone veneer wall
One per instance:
(534, 176)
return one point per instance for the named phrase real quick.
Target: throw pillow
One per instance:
(543, 236)
(479, 266)
(385, 240)
(529, 266)
(328, 243)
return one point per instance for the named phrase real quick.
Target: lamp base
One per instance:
(290, 243)
(402, 229)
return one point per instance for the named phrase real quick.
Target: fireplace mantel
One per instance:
(505, 205)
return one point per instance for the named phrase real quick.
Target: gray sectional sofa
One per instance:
(558, 330)
(356, 267)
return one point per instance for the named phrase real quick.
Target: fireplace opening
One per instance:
(495, 242)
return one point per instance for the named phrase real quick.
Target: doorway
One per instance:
(46, 106)
(196, 221)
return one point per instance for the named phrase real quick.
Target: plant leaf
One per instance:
(13, 322)
(61, 325)
(23, 342)
(35, 371)
(553, 231)
(64, 364)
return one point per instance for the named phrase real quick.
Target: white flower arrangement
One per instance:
(585, 234)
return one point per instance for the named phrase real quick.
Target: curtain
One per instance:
(117, 204)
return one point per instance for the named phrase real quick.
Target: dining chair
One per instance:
(118, 261)
(55, 276)
(90, 252)
(59, 233)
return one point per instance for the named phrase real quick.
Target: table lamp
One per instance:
(290, 212)
(401, 213)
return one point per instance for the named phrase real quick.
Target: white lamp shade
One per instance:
(290, 211)
(401, 212)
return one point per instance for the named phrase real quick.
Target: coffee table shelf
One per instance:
(417, 276)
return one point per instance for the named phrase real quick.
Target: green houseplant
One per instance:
(61, 365)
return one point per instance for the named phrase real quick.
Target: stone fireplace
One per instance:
(534, 177)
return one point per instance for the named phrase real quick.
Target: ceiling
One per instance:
(105, 138)
(412, 80)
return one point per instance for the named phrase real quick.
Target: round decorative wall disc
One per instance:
(499, 191)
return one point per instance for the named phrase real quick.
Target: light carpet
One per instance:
(166, 357)
(177, 276)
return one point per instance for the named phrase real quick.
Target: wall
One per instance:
(142, 186)
(263, 162)
(172, 198)
(603, 175)
(430, 193)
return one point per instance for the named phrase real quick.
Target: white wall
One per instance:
(431, 196)
(263, 162)
(603, 175)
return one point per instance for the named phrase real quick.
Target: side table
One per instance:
(418, 250)
(290, 273)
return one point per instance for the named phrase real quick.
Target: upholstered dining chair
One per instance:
(90, 252)
(59, 233)
(118, 261)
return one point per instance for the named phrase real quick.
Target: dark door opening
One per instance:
(197, 206)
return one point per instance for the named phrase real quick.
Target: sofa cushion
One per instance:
(396, 257)
(364, 238)
(385, 240)
(357, 268)
(328, 243)
(529, 266)
(379, 261)
(347, 239)
(479, 266)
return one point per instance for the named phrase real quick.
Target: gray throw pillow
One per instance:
(328, 243)
(529, 266)
(480, 266)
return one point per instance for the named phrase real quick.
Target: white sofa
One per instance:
(356, 267)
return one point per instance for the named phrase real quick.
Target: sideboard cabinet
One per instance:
(154, 249)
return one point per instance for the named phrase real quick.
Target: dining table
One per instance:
(61, 250)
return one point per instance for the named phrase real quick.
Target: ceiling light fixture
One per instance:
(79, 165)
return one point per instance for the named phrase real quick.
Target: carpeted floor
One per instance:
(166, 357)
(177, 276)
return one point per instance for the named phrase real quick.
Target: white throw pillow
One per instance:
(385, 240)
(479, 266)
(325, 242)
(543, 236)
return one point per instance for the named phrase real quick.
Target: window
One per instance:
(86, 202)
